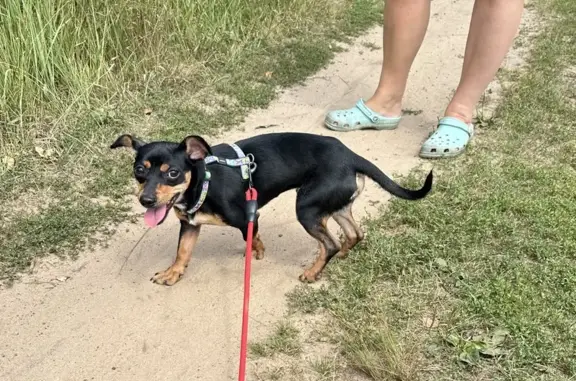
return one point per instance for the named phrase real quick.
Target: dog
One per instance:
(326, 175)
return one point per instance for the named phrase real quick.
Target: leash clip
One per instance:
(250, 185)
(251, 168)
(252, 163)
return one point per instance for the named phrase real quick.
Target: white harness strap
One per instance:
(244, 168)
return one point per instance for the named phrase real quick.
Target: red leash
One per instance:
(251, 208)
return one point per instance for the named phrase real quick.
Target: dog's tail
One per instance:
(365, 167)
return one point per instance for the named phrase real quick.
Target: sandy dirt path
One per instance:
(100, 318)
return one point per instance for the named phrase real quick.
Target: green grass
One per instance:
(323, 368)
(477, 282)
(284, 340)
(78, 73)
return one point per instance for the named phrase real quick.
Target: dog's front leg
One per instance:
(186, 242)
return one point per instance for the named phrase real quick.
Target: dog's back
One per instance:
(287, 160)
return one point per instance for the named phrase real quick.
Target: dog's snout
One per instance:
(147, 200)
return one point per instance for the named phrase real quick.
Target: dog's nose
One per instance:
(147, 200)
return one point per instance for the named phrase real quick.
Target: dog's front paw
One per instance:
(258, 247)
(259, 254)
(168, 277)
(310, 276)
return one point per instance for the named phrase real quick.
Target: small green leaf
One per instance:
(479, 345)
(463, 356)
(453, 340)
(469, 355)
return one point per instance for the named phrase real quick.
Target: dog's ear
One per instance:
(127, 141)
(196, 147)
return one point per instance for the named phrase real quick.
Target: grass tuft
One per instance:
(324, 368)
(284, 340)
(378, 354)
(477, 279)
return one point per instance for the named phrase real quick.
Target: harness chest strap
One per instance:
(246, 164)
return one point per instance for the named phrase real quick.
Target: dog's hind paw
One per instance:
(310, 277)
(168, 277)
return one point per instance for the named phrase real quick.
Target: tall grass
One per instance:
(59, 55)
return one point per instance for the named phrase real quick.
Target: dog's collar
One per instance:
(203, 194)
(245, 162)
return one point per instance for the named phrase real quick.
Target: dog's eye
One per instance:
(139, 170)
(173, 173)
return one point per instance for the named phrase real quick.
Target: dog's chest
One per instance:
(198, 218)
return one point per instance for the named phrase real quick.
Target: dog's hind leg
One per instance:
(328, 246)
(352, 232)
(316, 202)
(313, 217)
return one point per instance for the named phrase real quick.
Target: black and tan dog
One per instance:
(327, 175)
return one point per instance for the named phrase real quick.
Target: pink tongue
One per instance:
(153, 216)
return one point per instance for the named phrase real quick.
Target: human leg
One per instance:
(405, 24)
(493, 26)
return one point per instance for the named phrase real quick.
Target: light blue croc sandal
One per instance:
(359, 117)
(449, 139)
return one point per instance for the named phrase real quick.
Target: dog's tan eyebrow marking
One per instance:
(164, 167)
(147, 164)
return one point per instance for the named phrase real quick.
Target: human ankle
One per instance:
(459, 113)
(385, 105)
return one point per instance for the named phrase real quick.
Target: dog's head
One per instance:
(163, 170)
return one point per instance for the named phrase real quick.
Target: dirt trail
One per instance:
(100, 318)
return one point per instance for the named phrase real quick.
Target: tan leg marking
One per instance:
(314, 272)
(360, 183)
(352, 232)
(188, 239)
(258, 247)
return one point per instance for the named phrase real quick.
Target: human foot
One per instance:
(449, 140)
(358, 118)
